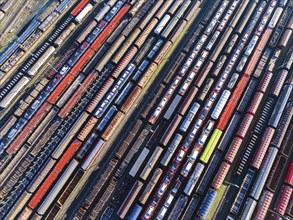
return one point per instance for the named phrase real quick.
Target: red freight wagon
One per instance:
(262, 149)
(230, 107)
(246, 122)
(221, 175)
(109, 29)
(17, 143)
(283, 200)
(289, 176)
(79, 7)
(233, 149)
(265, 82)
(39, 195)
(254, 105)
(253, 62)
(87, 128)
(264, 39)
(71, 76)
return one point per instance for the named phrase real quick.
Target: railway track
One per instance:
(225, 93)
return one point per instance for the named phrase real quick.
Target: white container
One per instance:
(162, 24)
(83, 13)
(221, 104)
